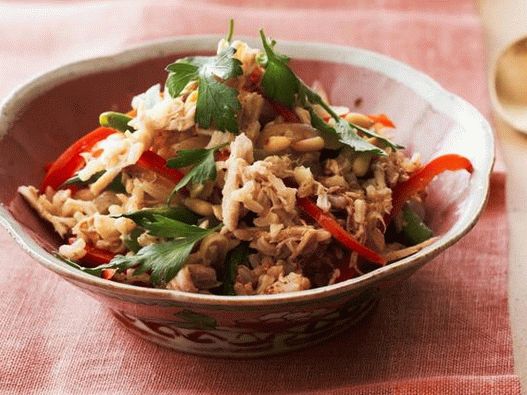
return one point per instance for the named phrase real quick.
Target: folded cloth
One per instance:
(446, 330)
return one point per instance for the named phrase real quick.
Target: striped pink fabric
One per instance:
(444, 331)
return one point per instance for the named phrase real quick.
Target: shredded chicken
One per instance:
(241, 156)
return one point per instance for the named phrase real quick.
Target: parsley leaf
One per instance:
(349, 136)
(131, 242)
(162, 260)
(329, 134)
(217, 103)
(179, 213)
(204, 166)
(310, 96)
(236, 257)
(162, 226)
(276, 69)
(115, 186)
(94, 271)
(282, 85)
(371, 133)
(223, 65)
(181, 73)
(76, 181)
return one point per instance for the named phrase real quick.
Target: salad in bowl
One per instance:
(237, 178)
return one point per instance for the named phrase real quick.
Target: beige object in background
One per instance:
(508, 84)
(505, 22)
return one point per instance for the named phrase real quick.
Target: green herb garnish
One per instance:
(115, 186)
(217, 103)
(236, 257)
(130, 241)
(280, 84)
(115, 120)
(178, 213)
(228, 38)
(94, 271)
(76, 181)
(164, 260)
(204, 166)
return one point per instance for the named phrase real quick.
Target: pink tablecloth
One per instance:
(445, 331)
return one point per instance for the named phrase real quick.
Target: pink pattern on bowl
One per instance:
(41, 118)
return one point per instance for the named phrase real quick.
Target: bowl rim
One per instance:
(424, 86)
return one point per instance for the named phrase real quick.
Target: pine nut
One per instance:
(293, 131)
(200, 207)
(216, 209)
(359, 119)
(303, 115)
(361, 165)
(276, 143)
(310, 144)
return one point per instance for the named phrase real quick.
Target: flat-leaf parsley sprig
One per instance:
(279, 83)
(162, 260)
(218, 103)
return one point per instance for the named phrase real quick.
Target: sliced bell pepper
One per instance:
(382, 119)
(96, 256)
(256, 75)
(420, 180)
(286, 113)
(107, 274)
(346, 272)
(152, 161)
(70, 160)
(222, 155)
(332, 226)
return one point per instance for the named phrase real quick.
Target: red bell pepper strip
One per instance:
(382, 119)
(420, 179)
(96, 256)
(70, 160)
(107, 274)
(346, 272)
(333, 227)
(152, 161)
(256, 75)
(222, 155)
(286, 113)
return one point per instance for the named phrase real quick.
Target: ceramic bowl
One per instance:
(41, 118)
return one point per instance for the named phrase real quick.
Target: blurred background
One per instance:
(439, 37)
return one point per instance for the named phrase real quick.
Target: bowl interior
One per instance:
(427, 118)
